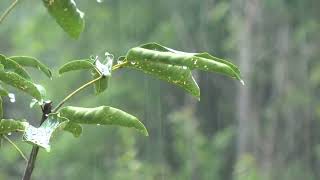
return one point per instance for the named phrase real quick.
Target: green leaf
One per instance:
(10, 125)
(74, 128)
(102, 84)
(76, 65)
(67, 15)
(202, 61)
(32, 62)
(41, 136)
(102, 115)
(10, 65)
(19, 82)
(173, 74)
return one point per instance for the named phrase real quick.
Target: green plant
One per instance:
(156, 60)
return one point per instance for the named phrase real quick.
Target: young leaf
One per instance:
(10, 125)
(76, 65)
(10, 65)
(19, 82)
(173, 74)
(41, 136)
(102, 84)
(165, 55)
(67, 15)
(102, 115)
(32, 62)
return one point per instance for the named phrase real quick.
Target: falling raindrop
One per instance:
(12, 97)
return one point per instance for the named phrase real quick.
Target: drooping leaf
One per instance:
(159, 47)
(76, 65)
(202, 61)
(21, 83)
(102, 115)
(11, 125)
(74, 128)
(10, 65)
(41, 136)
(67, 15)
(177, 75)
(27, 61)
(102, 84)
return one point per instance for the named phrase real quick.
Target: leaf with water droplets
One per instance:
(76, 65)
(12, 66)
(67, 15)
(21, 83)
(177, 75)
(11, 125)
(42, 135)
(202, 61)
(27, 61)
(102, 115)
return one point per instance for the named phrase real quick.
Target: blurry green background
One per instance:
(268, 129)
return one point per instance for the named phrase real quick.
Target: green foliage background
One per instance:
(188, 139)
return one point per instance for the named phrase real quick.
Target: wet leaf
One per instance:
(42, 135)
(67, 15)
(177, 75)
(102, 115)
(11, 125)
(102, 84)
(201, 61)
(75, 65)
(26, 61)
(12, 66)
(21, 83)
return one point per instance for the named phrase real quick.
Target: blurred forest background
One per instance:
(266, 130)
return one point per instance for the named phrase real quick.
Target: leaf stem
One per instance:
(75, 92)
(115, 67)
(16, 147)
(8, 10)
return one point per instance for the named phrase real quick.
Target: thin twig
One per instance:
(75, 92)
(16, 147)
(8, 10)
(115, 67)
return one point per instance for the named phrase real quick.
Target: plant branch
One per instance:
(115, 67)
(46, 109)
(75, 92)
(8, 10)
(16, 147)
